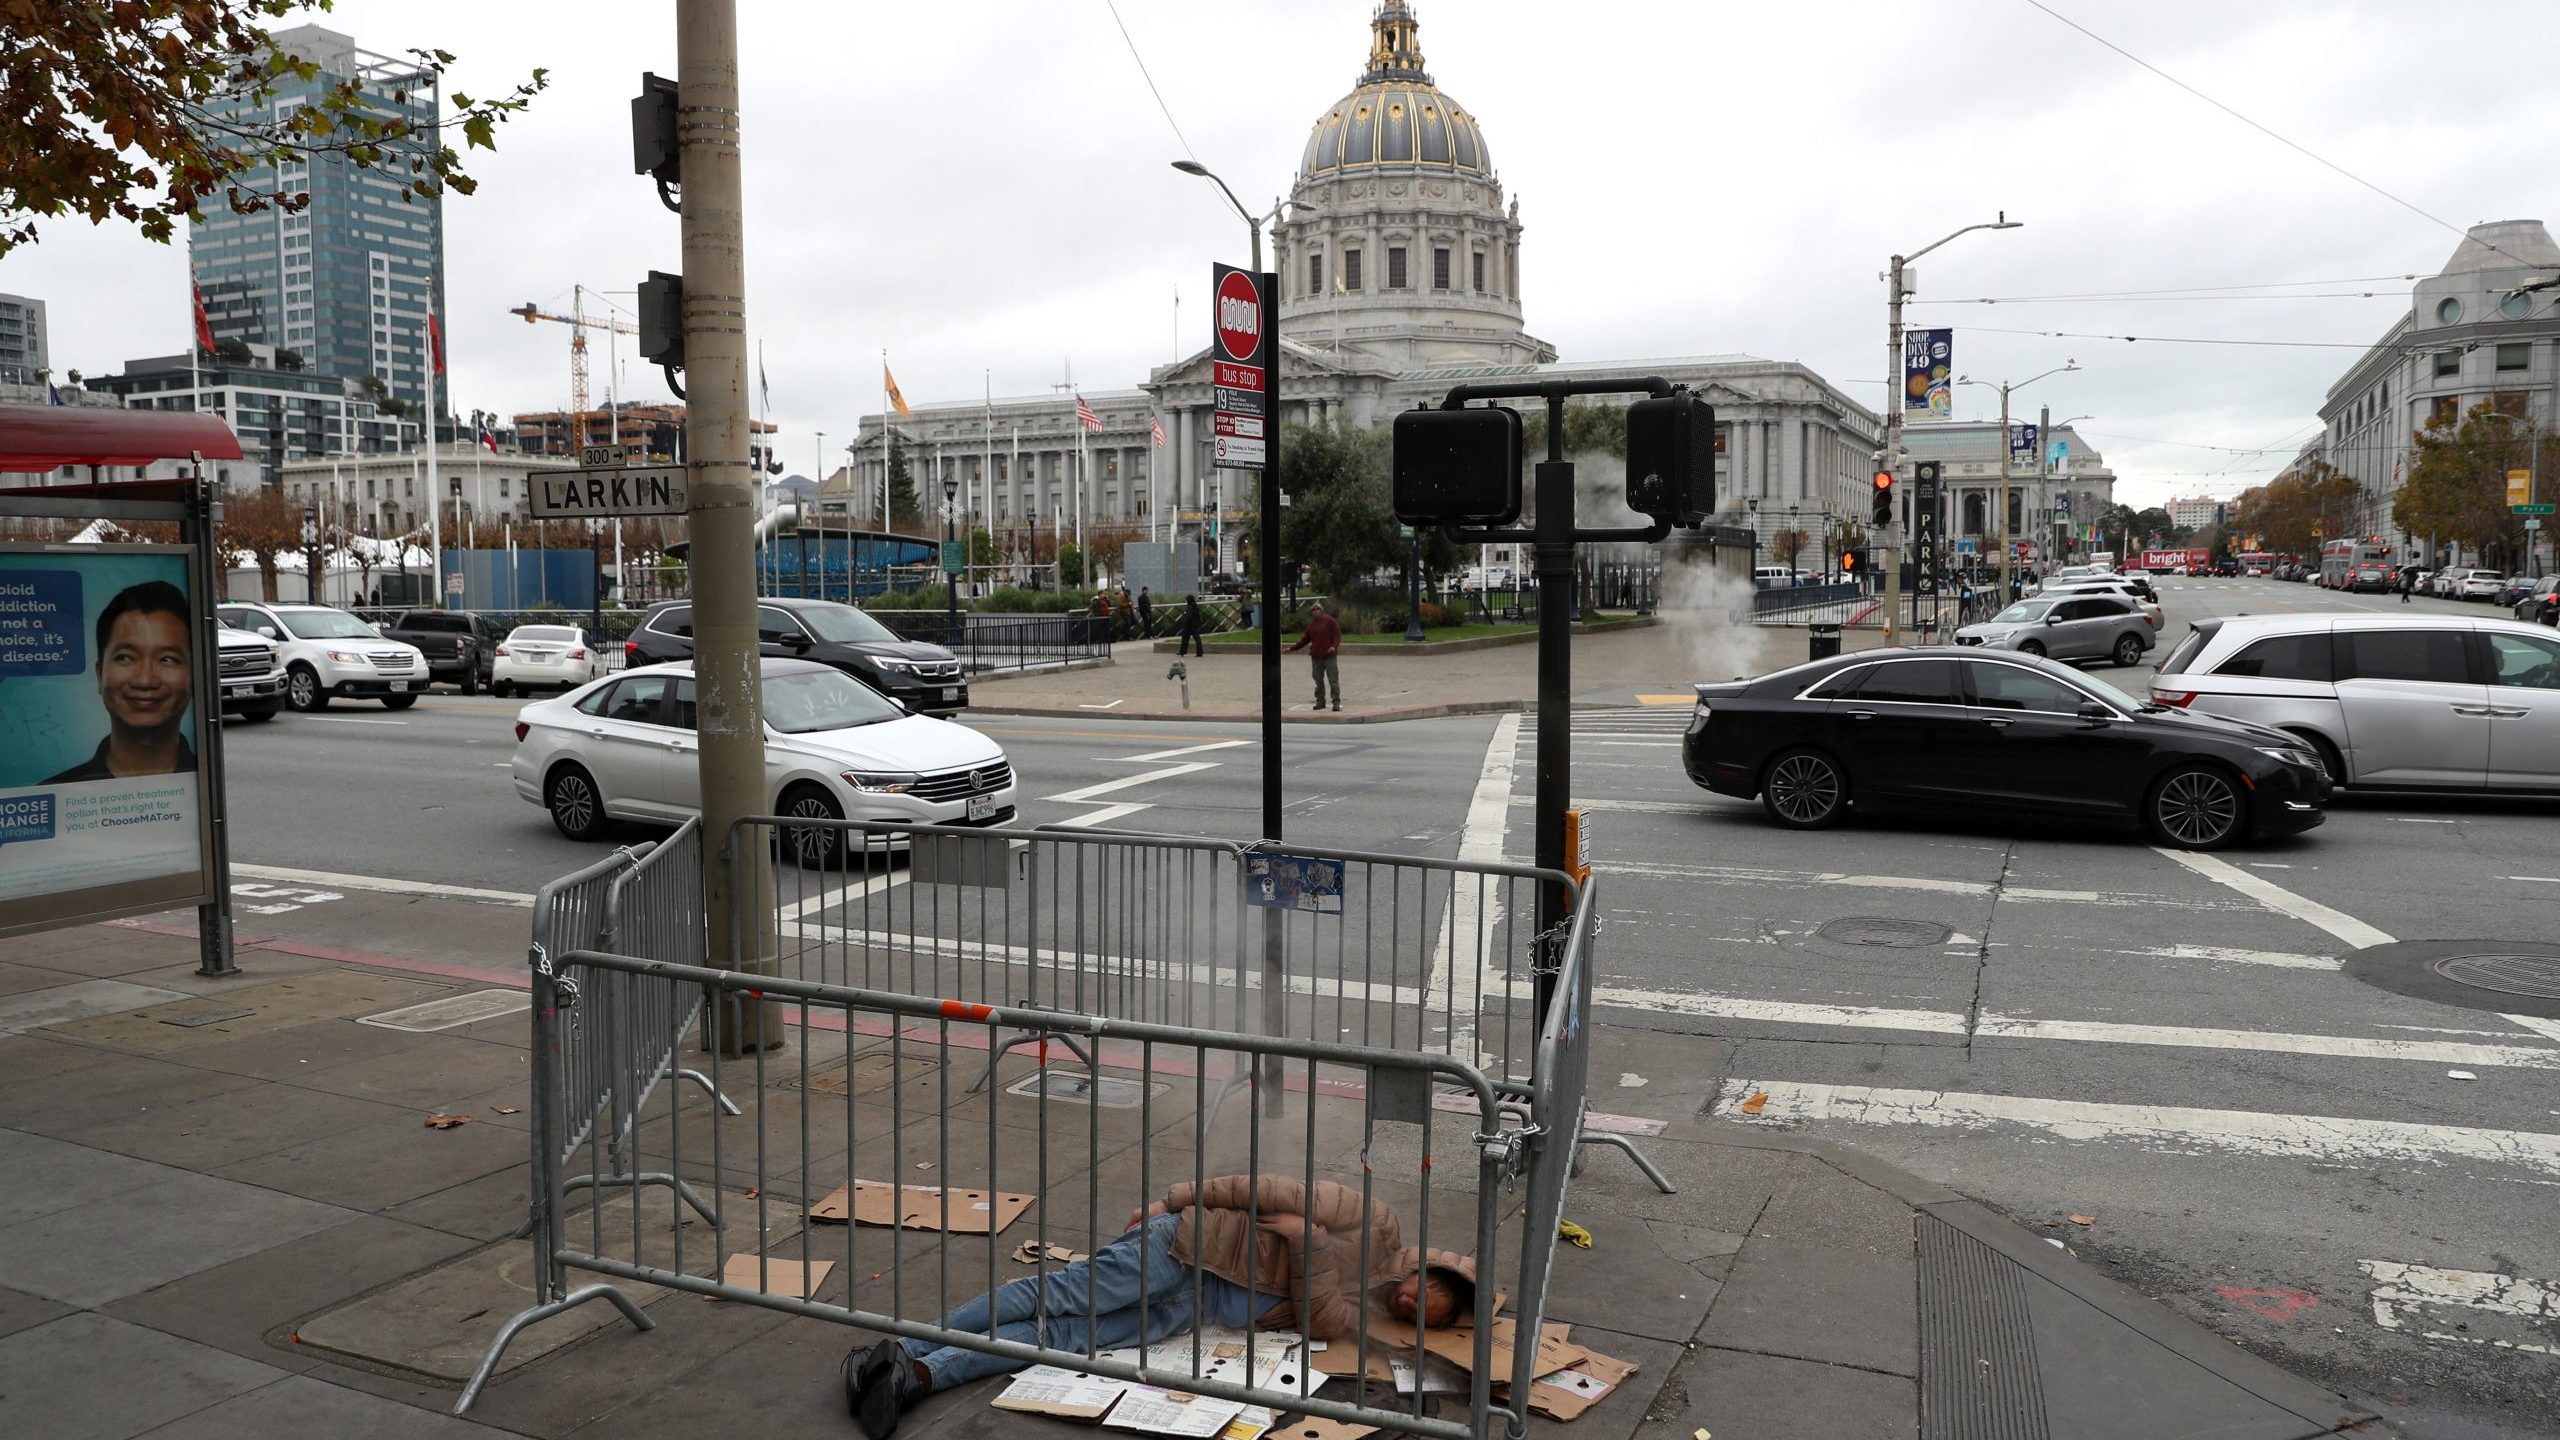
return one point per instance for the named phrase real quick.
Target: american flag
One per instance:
(1155, 427)
(1085, 416)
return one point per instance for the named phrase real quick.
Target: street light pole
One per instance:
(1889, 543)
(950, 577)
(2066, 367)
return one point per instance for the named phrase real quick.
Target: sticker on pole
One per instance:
(1239, 315)
(1294, 882)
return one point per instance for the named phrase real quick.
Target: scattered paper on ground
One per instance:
(779, 1277)
(1068, 1394)
(1171, 1412)
(446, 1122)
(1028, 1252)
(922, 1207)
(1312, 1428)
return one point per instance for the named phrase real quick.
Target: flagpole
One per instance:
(882, 519)
(987, 464)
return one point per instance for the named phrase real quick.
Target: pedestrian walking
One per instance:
(1099, 627)
(1262, 1252)
(1190, 643)
(1146, 614)
(1323, 644)
(2408, 582)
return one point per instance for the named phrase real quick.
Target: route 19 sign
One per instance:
(1241, 374)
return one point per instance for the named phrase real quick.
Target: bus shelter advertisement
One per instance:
(101, 810)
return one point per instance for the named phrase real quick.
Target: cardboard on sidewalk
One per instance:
(921, 1207)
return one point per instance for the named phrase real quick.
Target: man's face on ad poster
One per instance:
(143, 673)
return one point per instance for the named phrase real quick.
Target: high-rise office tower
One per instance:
(348, 282)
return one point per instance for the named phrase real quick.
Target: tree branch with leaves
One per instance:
(142, 110)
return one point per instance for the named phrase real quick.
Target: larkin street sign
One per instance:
(600, 494)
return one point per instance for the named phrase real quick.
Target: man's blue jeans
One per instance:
(1092, 1304)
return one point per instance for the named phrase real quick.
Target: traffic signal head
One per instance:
(1671, 458)
(1881, 512)
(662, 319)
(1457, 467)
(1848, 562)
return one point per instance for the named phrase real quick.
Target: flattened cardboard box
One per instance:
(782, 1277)
(1565, 1394)
(1389, 1339)
(921, 1207)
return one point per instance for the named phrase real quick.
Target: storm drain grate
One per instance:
(1894, 934)
(2537, 975)
(1103, 1093)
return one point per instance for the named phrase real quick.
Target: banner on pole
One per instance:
(1928, 379)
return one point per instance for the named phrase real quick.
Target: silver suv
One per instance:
(2068, 627)
(2391, 702)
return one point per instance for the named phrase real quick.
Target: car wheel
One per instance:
(2196, 807)
(470, 681)
(2030, 647)
(1804, 790)
(258, 713)
(574, 804)
(814, 847)
(2128, 651)
(398, 702)
(303, 690)
(498, 688)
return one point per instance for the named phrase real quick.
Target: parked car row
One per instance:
(322, 654)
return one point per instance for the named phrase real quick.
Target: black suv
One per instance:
(461, 646)
(925, 677)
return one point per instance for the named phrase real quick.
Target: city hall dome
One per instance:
(1396, 116)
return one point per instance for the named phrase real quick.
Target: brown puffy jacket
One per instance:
(1306, 1248)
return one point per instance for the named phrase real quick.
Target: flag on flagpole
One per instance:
(897, 401)
(435, 343)
(1155, 427)
(55, 392)
(488, 441)
(1085, 416)
(204, 323)
(764, 386)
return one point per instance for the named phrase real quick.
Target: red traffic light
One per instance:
(1884, 480)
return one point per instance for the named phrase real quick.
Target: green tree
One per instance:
(903, 509)
(2299, 508)
(1070, 565)
(982, 548)
(2456, 488)
(140, 110)
(1339, 520)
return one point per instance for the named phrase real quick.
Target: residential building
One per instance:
(23, 357)
(2195, 512)
(346, 282)
(280, 414)
(2484, 330)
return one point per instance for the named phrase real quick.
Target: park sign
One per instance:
(609, 491)
(1241, 358)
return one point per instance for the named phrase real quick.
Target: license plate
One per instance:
(239, 689)
(982, 807)
(399, 686)
(950, 692)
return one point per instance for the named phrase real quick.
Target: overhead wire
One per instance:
(2170, 291)
(2174, 339)
(1146, 75)
(2288, 143)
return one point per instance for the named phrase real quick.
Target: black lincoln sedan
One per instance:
(926, 677)
(1941, 728)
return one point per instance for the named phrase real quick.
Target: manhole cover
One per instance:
(1895, 934)
(2500, 974)
(2508, 974)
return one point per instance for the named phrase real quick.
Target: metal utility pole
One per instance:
(1889, 543)
(727, 675)
(2051, 523)
(2005, 541)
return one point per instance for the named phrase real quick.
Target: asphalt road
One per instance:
(2156, 1062)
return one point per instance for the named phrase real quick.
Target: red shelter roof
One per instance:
(38, 438)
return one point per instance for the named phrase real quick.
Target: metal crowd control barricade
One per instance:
(1136, 982)
(595, 1066)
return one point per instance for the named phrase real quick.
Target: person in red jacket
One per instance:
(1323, 644)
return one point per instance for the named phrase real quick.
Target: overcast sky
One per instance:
(982, 190)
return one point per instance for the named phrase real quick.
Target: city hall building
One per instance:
(1402, 274)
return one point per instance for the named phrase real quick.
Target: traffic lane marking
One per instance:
(332, 880)
(1743, 875)
(1096, 792)
(2275, 897)
(1185, 750)
(2403, 1292)
(1993, 1026)
(2174, 1129)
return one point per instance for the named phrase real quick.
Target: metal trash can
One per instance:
(1826, 641)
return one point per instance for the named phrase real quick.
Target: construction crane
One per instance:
(580, 323)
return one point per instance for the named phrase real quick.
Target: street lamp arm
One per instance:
(1194, 167)
(2003, 223)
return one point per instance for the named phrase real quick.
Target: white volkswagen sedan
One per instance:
(622, 748)
(544, 657)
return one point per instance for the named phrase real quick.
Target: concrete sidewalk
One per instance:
(1383, 683)
(226, 1216)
